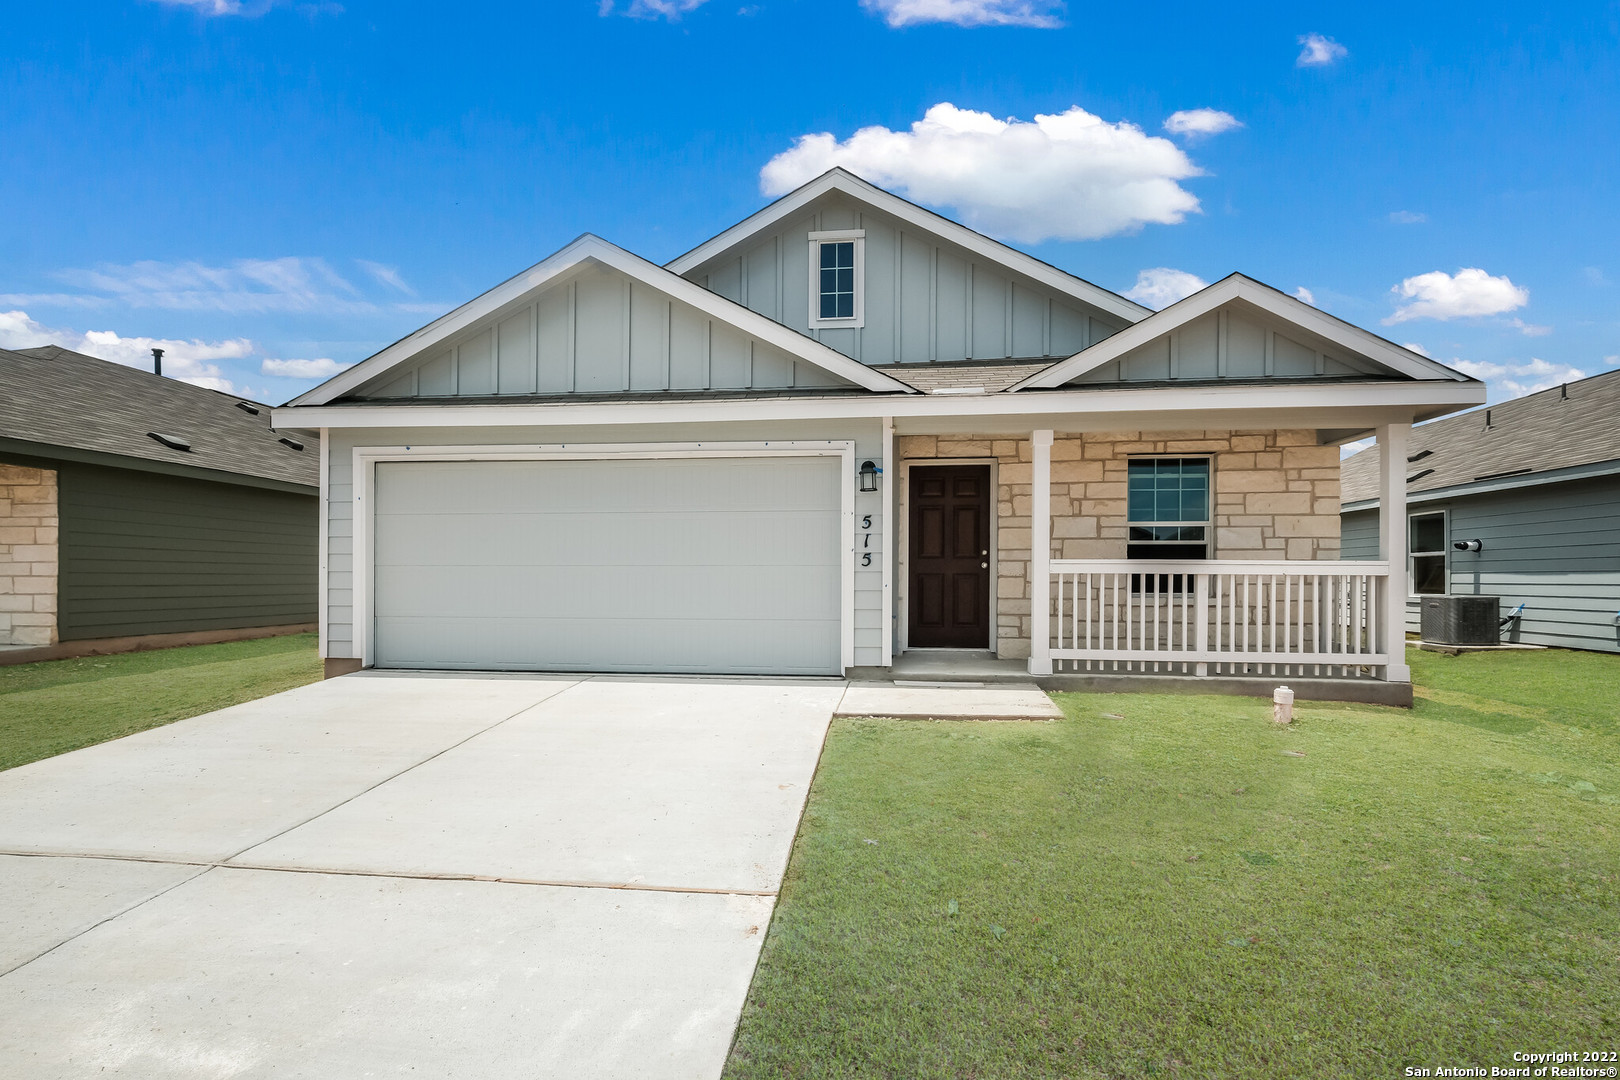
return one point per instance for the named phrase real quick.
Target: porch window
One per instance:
(1427, 544)
(1167, 509)
(837, 278)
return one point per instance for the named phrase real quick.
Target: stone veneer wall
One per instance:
(28, 564)
(1276, 497)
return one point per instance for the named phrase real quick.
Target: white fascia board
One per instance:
(993, 250)
(589, 247)
(1330, 405)
(1275, 303)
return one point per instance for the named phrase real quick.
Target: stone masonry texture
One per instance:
(1276, 497)
(28, 525)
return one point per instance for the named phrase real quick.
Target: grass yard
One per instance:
(60, 705)
(1173, 886)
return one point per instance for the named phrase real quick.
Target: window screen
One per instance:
(1427, 543)
(838, 280)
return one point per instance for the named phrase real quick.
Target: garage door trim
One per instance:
(367, 457)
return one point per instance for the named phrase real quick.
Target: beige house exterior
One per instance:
(846, 433)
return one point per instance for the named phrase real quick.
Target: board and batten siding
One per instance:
(1235, 342)
(1553, 548)
(871, 613)
(596, 332)
(144, 553)
(926, 299)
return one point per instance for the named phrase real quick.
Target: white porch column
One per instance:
(890, 534)
(1392, 542)
(1040, 553)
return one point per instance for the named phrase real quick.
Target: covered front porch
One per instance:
(1205, 558)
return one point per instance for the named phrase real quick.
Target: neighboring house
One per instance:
(1536, 481)
(827, 436)
(134, 506)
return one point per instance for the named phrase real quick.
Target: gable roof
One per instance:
(594, 248)
(57, 398)
(1561, 428)
(849, 184)
(1272, 301)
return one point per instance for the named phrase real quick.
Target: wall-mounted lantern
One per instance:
(869, 475)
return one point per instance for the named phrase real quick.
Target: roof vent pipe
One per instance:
(1563, 391)
(157, 362)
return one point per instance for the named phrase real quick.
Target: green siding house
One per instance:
(138, 507)
(1520, 501)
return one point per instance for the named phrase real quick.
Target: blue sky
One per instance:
(276, 189)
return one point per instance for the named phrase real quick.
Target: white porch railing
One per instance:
(1233, 617)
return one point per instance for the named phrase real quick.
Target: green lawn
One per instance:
(1173, 886)
(60, 705)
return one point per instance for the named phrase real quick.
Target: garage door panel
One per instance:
(681, 565)
(780, 538)
(627, 593)
(691, 645)
(650, 486)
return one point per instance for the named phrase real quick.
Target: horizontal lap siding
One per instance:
(143, 553)
(1554, 548)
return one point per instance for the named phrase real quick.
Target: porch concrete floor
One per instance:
(958, 665)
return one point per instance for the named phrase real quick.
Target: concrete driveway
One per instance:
(449, 876)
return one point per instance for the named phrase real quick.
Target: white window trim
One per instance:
(1444, 552)
(365, 459)
(837, 236)
(1208, 524)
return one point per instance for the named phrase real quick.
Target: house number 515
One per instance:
(866, 540)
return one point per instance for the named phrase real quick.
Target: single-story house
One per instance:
(138, 511)
(847, 429)
(1519, 501)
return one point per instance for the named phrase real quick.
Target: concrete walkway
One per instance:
(452, 876)
(918, 700)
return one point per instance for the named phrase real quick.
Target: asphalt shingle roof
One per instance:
(1532, 434)
(57, 397)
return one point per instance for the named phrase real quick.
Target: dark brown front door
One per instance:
(950, 557)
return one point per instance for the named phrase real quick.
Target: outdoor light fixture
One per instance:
(869, 475)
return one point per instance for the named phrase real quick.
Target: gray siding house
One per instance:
(134, 506)
(846, 430)
(1536, 481)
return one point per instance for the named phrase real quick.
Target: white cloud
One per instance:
(1512, 380)
(246, 286)
(188, 361)
(1529, 329)
(1069, 176)
(1407, 217)
(1354, 448)
(1200, 123)
(303, 369)
(653, 9)
(1612, 361)
(1044, 14)
(1161, 286)
(1319, 51)
(1415, 347)
(386, 275)
(1302, 293)
(1439, 295)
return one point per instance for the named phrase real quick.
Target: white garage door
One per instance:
(722, 565)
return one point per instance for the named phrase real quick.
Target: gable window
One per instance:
(1167, 508)
(837, 278)
(1426, 569)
